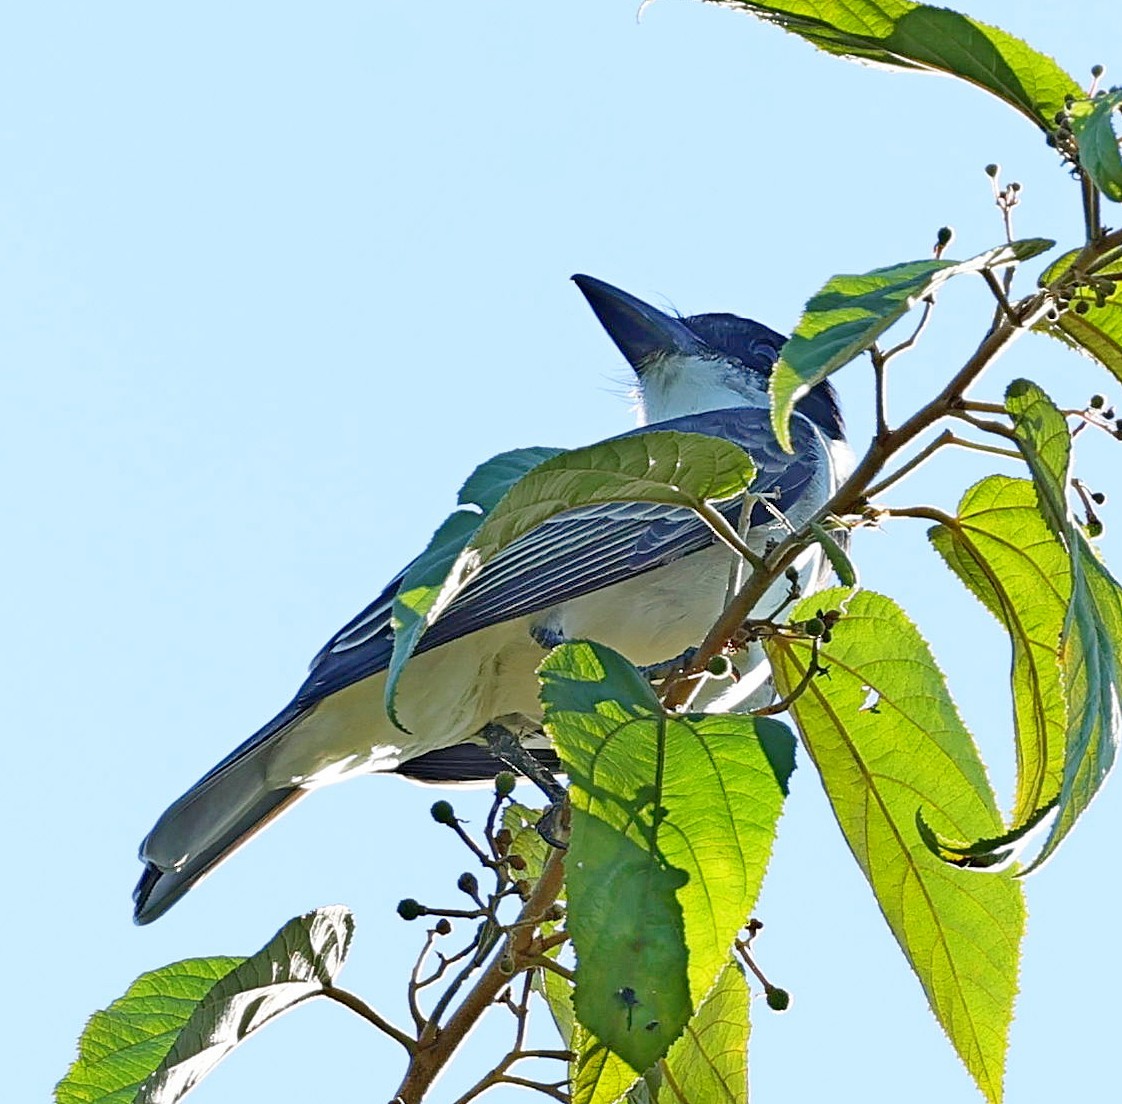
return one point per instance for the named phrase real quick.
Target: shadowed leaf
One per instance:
(673, 820)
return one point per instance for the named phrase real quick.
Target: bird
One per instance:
(645, 579)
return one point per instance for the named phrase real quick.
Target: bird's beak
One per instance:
(640, 331)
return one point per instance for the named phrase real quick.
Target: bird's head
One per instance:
(703, 362)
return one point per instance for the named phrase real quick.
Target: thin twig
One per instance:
(436, 1046)
(983, 425)
(849, 496)
(360, 1007)
(721, 527)
(784, 704)
(917, 333)
(945, 438)
(880, 395)
(999, 293)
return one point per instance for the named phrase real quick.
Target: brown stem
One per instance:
(436, 1046)
(360, 1007)
(850, 495)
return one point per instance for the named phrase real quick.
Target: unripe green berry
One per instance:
(992, 169)
(409, 909)
(504, 784)
(778, 1000)
(1097, 402)
(1096, 71)
(815, 626)
(443, 813)
(1094, 527)
(468, 883)
(719, 666)
(945, 236)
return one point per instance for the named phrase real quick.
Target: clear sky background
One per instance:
(273, 278)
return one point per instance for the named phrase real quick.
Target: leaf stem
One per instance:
(357, 1005)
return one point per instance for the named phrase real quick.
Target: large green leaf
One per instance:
(673, 818)
(904, 35)
(1001, 548)
(518, 491)
(889, 743)
(850, 312)
(664, 466)
(707, 1064)
(425, 576)
(1092, 123)
(1092, 322)
(1091, 645)
(176, 1023)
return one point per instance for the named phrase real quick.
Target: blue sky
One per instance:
(273, 279)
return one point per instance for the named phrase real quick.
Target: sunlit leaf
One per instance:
(887, 740)
(708, 1063)
(672, 823)
(176, 1023)
(1001, 548)
(904, 35)
(1091, 645)
(850, 312)
(1092, 123)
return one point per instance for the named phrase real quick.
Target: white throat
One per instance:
(674, 386)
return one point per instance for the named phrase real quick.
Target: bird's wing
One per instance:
(580, 551)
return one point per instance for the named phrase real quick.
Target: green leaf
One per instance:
(902, 35)
(673, 818)
(676, 469)
(176, 1023)
(707, 1063)
(522, 823)
(1092, 123)
(425, 576)
(125, 1042)
(486, 485)
(886, 739)
(598, 1075)
(1092, 323)
(1091, 644)
(994, 854)
(1005, 554)
(850, 312)
(518, 492)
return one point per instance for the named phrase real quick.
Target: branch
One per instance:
(850, 496)
(437, 1045)
(361, 1008)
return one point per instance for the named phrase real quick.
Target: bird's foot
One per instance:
(656, 672)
